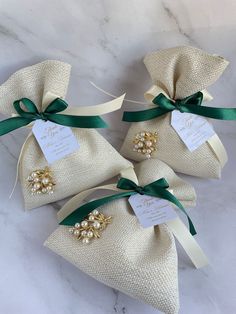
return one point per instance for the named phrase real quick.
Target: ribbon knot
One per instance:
(190, 104)
(29, 113)
(178, 105)
(139, 190)
(157, 188)
(43, 116)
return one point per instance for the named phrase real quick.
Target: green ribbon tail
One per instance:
(208, 112)
(12, 124)
(143, 115)
(165, 194)
(190, 104)
(80, 213)
(94, 122)
(211, 112)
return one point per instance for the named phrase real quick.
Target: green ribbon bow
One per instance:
(157, 188)
(190, 104)
(49, 114)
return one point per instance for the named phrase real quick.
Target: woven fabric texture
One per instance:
(141, 262)
(95, 161)
(179, 72)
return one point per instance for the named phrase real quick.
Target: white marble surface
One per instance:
(105, 42)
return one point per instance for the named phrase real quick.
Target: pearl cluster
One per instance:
(90, 227)
(41, 182)
(145, 143)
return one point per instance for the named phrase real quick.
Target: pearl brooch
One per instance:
(96, 225)
(85, 240)
(145, 143)
(90, 228)
(83, 233)
(71, 230)
(84, 224)
(95, 212)
(91, 218)
(90, 234)
(76, 232)
(41, 182)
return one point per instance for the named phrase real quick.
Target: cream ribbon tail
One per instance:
(188, 242)
(155, 90)
(218, 148)
(18, 163)
(96, 110)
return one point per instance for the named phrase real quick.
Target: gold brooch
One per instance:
(90, 227)
(41, 181)
(145, 143)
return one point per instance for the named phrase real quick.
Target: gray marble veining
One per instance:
(105, 42)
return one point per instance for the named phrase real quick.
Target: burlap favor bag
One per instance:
(141, 262)
(95, 160)
(176, 74)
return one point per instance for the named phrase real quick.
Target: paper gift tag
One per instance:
(56, 141)
(151, 211)
(193, 130)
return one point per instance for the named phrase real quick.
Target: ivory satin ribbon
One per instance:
(96, 110)
(178, 228)
(214, 142)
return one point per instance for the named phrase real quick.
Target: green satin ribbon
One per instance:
(190, 104)
(157, 188)
(49, 114)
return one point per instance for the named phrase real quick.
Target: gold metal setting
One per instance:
(145, 143)
(41, 181)
(91, 227)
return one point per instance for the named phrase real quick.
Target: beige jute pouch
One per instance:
(141, 262)
(178, 73)
(95, 160)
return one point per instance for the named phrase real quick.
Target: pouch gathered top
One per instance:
(180, 77)
(42, 88)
